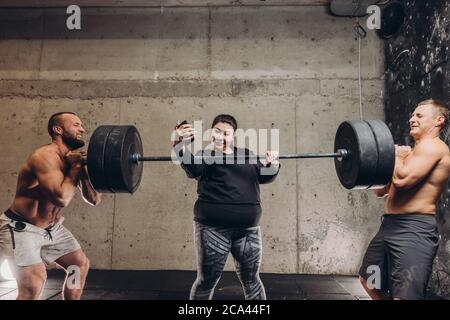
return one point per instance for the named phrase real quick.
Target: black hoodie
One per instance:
(228, 194)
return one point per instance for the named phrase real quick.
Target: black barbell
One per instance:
(364, 154)
(217, 159)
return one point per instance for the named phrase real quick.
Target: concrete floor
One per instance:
(175, 285)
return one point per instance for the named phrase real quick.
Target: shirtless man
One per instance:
(31, 230)
(403, 250)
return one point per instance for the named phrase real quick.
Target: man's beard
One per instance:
(72, 142)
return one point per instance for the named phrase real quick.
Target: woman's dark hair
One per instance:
(225, 118)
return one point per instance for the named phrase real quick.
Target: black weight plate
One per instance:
(123, 176)
(359, 168)
(132, 171)
(96, 158)
(113, 157)
(386, 152)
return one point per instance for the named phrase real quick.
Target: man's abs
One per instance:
(30, 203)
(407, 203)
(38, 212)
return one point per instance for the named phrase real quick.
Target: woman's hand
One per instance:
(272, 158)
(184, 133)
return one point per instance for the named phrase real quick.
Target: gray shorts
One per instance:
(27, 244)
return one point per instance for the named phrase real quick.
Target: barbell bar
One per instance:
(364, 155)
(340, 154)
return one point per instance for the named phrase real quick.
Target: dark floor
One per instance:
(175, 285)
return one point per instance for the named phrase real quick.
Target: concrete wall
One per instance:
(423, 43)
(292, 68)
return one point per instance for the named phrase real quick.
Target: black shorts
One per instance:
(402, 253)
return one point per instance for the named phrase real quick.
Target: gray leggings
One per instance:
(213, 245)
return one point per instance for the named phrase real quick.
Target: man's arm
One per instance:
(57, 188)
(88, 192)
(412, 168)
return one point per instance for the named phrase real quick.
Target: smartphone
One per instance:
(184, 122)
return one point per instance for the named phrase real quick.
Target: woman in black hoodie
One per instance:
(228, 209)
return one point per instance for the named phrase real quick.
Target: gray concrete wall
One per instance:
(292, 68)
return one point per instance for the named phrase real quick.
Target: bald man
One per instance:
(31, 230)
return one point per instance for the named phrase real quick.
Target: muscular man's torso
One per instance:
(30, 202)
(422, 197)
